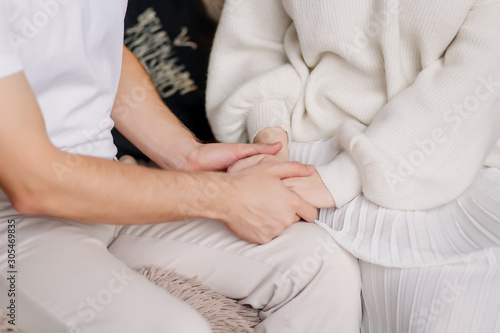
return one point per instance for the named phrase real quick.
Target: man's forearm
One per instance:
(140, 114)
(253, 203)
(40, 179)
(95, 190)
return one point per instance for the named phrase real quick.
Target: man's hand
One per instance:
(220, 156)
(251, 162)
(257, 206)
(155, 130)
(312, 189)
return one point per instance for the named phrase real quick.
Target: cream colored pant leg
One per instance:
(303, 280)
(68, 282)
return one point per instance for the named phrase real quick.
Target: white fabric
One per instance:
(303, 280)
(411, 239)
(9, 61)
(432, 271)
(442, 235)
(71, 53)
(68, 282)
(453, 298)
(409, 89)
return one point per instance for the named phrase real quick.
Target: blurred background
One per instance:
(172, 39)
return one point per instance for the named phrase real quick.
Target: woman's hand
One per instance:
(251, 162)
(274, 134)
(312, 189)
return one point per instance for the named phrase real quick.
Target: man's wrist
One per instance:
(209, 196)
(188, 155)
(177, 157)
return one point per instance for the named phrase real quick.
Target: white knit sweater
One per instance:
(410, 90)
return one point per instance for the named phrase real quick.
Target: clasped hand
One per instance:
(310, 188)
(266, 194)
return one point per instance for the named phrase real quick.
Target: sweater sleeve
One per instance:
(9, 62)
(251, 85)
(427, 144)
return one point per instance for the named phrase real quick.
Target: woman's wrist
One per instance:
(272, 135)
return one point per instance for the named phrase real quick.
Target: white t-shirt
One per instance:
(71, 52)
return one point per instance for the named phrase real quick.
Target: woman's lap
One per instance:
(430, 271)
(410, 239)
(452, 298)
(422, 271)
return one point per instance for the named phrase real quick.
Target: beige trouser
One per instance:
(75, 277)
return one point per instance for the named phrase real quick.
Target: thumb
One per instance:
(292, 169)
(245, 163)
(247, 150)
(270, 149)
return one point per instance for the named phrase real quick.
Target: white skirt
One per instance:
(432, 271)
(392, 238)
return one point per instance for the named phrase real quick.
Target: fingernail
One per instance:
(311, 167)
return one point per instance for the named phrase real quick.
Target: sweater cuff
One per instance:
(269, 113)
(342, 178)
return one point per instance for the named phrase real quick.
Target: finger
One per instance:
(245, 163)
(290, 182)
(247, 150)
(271, 149)
(269, 158)
(307, 211)
(127, 159)
(291, 169)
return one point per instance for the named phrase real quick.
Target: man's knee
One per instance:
(312, 267)
(314, 254)
(186, 320)
(143, 307)
(179, 318)
(171, 315)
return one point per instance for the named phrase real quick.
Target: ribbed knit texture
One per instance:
(427, 271)
(410, 90)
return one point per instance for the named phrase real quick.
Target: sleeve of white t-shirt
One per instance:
(9, 61)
